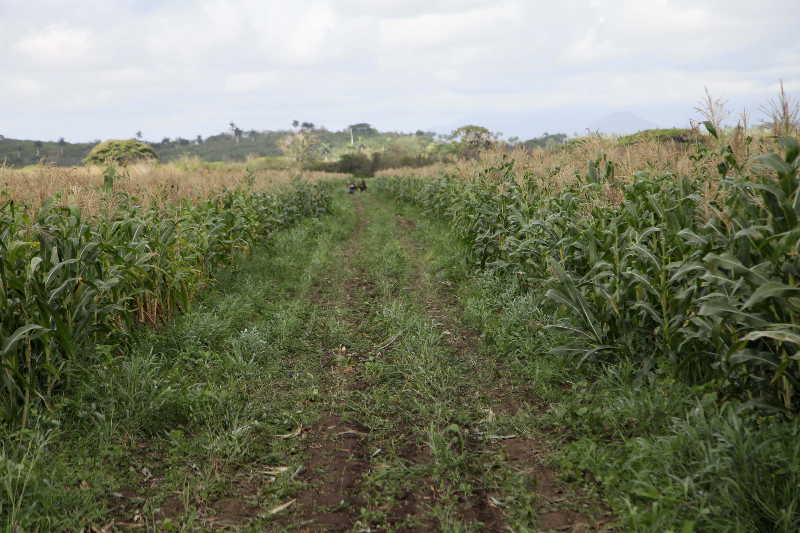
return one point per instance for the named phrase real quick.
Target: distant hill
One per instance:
(221, 147)
(19, 153)
(621, 123)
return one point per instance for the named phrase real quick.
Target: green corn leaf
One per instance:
(747, 355)
(770, 289)
(728, 262)
(33, 266)
(685, 269)
(649, 311)
(53, 271)
(769, 188)
(755, 233)
(649, 231)
(19, 334)
(775, 163)
(55, 293)
(722, 309)
(780, 335)
(790, 147)
(693, 238)
(571, 329)
(643, 280)
(644, 253)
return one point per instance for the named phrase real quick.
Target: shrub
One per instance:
(678, 135)
(120, 153)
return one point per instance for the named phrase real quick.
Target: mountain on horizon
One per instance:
(621, 123)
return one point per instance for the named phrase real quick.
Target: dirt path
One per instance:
(523, 455)
(412, 435)
(327, 383)
(334, 446)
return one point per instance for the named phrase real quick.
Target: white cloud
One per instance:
(245, 82)
(189, 67)
(57, 47)
(24, 87)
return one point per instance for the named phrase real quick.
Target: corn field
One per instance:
(696, 274)
(68, 280)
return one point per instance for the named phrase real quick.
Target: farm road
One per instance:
(416, 427)
(358, 400)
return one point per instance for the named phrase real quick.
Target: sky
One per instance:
(100, 69)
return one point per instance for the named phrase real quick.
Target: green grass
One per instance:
(664, 454)
(350, 315)
(187, 408)
(374, 319)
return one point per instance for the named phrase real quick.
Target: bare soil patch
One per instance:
(337, 456)
(337, 459)
(465, 343)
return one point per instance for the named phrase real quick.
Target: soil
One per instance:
(337, 459)
(336, 450)
(522, 453)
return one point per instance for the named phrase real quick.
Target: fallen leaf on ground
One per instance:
(275, 470)
(281, 507)
(350, 432)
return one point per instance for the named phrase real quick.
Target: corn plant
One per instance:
(67, 281)
(703, 286)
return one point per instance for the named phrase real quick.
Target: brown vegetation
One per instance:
(559, 165)
(84, 187)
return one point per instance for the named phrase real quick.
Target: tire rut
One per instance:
(522, 455)
(335, 447)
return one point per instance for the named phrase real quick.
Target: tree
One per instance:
(545, 141)
(403, 151)
(303, 147)
(470, 140)
(237, 133)
(363, 128)
(357, 164)
(199, 139)
(325, 150)
(139, 135)
(120, 153)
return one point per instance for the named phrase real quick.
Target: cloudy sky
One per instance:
(92, 69)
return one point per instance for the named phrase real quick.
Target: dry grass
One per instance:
(83, 186)
(557, 167)
(560, 165)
